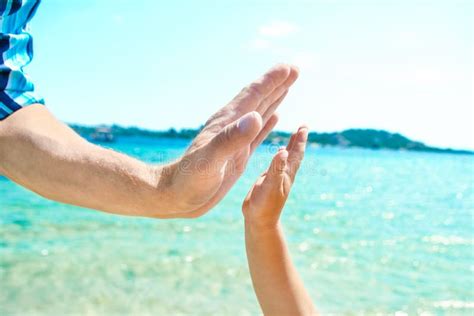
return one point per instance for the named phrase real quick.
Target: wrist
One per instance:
(160, 201)
(259, 228)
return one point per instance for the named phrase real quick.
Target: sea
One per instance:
(372, 232)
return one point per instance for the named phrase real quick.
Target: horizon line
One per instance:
(284, 131)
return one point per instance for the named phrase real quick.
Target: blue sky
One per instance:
(404, 66)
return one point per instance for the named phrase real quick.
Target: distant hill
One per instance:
(360, 138)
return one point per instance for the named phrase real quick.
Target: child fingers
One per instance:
(296, 151)
(278, 165)
(291, 142)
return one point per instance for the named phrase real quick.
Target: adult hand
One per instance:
(218, 155)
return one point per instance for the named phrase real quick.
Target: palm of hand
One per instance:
(219, 154)
(264, 202)
(266, 199)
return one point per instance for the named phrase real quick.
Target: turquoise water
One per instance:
(371, 232)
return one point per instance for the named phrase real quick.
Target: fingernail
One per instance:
(244, 123)
(303, 134)
(304, 126)
(283, 154)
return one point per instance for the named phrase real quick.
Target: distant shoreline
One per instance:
(350, 138)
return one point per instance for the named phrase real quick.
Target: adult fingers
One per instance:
(265, 105)
(267, 129)
(271, 110)
(251, 96)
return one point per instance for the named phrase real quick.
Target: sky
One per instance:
(404, 66)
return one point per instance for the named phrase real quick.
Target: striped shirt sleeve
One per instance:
(16, 51)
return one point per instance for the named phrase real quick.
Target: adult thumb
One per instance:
(237, 134)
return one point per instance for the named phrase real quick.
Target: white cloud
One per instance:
(269, 34)
(277, 29)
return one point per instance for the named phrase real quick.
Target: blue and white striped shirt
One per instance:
(16, 51)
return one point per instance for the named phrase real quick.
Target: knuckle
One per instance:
(271, 80)
(255, 89)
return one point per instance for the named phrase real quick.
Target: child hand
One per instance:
(264, 202)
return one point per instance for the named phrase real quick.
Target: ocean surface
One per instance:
(371, 232)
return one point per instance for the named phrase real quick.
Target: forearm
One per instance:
(47, 157)
(279, 289)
